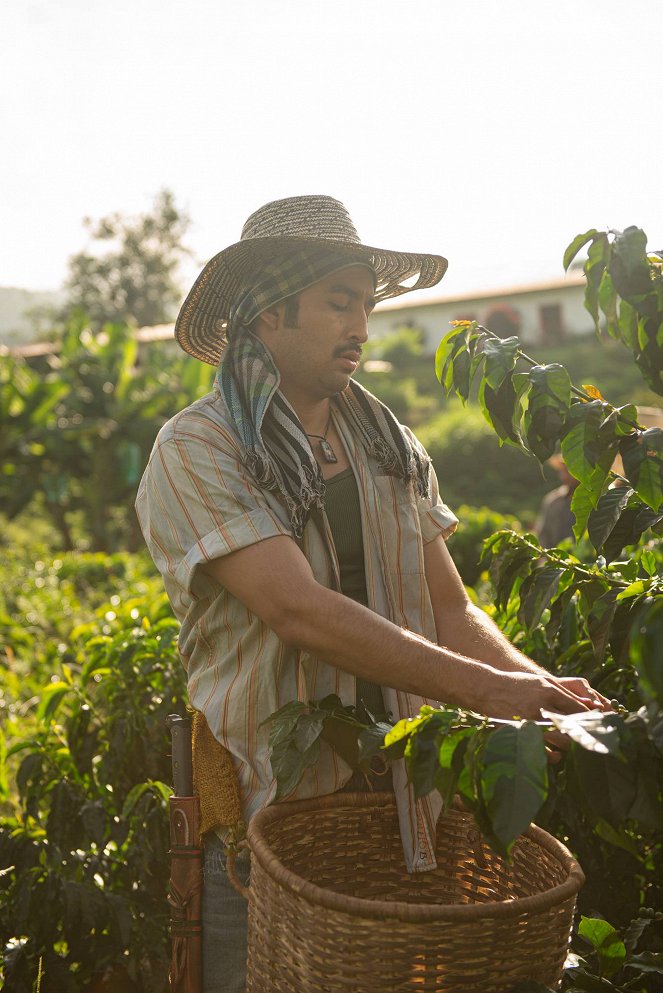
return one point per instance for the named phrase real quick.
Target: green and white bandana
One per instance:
(278, 453)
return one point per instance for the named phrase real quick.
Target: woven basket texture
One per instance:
(333, 910)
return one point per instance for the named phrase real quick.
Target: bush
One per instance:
(473, 469)
(87, 843)
(465, 545)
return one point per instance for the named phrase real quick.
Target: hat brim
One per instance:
(202, 322)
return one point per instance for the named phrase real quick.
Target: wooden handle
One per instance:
(180, 732)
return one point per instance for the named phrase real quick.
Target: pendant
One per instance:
(327, 451)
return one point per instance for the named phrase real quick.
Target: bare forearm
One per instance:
(372, 647)
(375, 649)
(275, 582)
(470, 631)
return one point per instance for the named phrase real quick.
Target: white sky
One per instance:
(490, 131)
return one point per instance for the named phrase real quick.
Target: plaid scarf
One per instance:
(277, 451)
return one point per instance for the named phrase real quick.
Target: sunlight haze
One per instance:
(489, 132)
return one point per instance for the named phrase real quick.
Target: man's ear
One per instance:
(271, 317)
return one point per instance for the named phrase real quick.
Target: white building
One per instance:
(541, 313)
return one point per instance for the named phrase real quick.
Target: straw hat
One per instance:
(281, 227)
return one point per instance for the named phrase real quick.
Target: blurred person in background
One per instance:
(555, 519)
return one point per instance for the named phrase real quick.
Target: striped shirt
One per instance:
(197, 502)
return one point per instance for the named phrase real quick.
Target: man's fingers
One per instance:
(565, 701)
(553, 756)
(582, 689)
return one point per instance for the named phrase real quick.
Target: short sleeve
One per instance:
(196, 503)
(434, 516)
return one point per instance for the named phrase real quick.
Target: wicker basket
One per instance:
(332, 908)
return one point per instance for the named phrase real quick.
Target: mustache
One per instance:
(355, 347)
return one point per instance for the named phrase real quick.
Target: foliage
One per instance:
(87, 839)
(498, 767)
(459, 441)
(395, 370)
(79, 435)
(42, 599)
(612, 961)
(134, 279)
(626, 285)
(476, 524)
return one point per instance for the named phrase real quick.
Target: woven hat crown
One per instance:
(302, 217)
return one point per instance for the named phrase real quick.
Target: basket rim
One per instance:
(403, 911)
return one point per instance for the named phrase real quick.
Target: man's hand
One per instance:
(592, 699)
(524, 694)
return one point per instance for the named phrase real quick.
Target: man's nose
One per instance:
(359, 326)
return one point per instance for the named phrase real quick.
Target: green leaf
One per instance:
(501, 409)
(617, 837)
(582, 504)
(594, 731)
(599, 622)
(536, 593)
(580, 446)
(342, 735)
(650, 479)
(283, 721)
(648, 562)
(598, 257)
(371, 743)
(501, 358)
(605, 941)
(422, 750)
(634, 520)
(635, 589)
(553, 380)
(646, 962)
(307, 730)
(403, 729)
(647, 649)
(289, 764)
(578, 242)
(451, 761)
(461, 374)
(603, 519)
(630, 251)
(628, 324)
(51, 699)
(514, 779)
(607, 298)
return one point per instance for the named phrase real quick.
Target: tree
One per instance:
(134, 279)
(77, 434)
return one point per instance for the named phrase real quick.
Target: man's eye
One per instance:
(338, 306)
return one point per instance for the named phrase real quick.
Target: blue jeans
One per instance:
(224, 921)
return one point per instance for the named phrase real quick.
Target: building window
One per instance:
(503, 319)
(552, 325)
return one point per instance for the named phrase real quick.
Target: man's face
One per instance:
(317, 357)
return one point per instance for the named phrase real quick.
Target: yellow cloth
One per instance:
(214, 779)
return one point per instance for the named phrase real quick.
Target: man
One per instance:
(300, 533)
